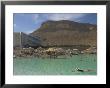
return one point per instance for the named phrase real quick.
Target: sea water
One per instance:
(59, 66)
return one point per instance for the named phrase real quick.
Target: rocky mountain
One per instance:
(67, 33)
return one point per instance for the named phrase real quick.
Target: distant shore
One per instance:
(53, 52)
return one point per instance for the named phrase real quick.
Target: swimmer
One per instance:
(86, 70)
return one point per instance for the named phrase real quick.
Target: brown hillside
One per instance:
(68, 33)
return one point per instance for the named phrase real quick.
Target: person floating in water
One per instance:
(83, 70)
(80, 70)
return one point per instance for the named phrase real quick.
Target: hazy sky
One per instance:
(29, 22)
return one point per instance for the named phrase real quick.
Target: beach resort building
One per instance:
(23, 40)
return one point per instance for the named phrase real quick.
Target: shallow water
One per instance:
(60, 66)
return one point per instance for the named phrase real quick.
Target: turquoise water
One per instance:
(60, 66)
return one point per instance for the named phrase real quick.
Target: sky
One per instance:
(29, 22)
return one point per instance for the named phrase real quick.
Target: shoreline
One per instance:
(33, 57)
(53, 52)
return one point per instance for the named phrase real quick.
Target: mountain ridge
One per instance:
(65, 32)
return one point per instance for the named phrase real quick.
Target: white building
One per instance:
(23, 40)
